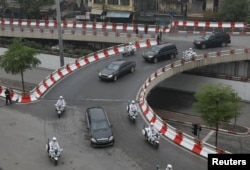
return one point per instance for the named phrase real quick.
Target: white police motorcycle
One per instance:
(169, 167)
(131, 114)
(60, 109)
(153, 139)
(54, 154)
(128, 51)
(188, 54)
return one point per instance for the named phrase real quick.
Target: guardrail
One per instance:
(177, 136)
(180, 138)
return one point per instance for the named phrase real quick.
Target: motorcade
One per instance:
(99, 127)
(215, 39)
(160, 52)
(117, 69)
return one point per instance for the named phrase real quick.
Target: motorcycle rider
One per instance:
(53, 145)
(152, 133)
(133, 110)
(169, 167)
(130, 47)
(60, 103)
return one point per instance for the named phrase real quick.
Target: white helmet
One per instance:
(169, 166)
(130, 43)
(190, 49)
(61, 97)
(54, 138)
(133, 101)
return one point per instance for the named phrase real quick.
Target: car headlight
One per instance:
(198, 42)
(110, 76)
(111, 138)
(93, 140)
(100, 74)
(150, 56)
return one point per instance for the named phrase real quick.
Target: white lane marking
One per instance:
(208, 136)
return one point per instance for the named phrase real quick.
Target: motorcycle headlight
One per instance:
(111, 138)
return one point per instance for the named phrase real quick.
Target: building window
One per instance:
(125, 2)
(113, 2)
(99, 1)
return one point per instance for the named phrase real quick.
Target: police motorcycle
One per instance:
(53, 153)
(188, 54)
(153, 139)
(128, 50)
(169, 167)
(131, 114)
(60, 109)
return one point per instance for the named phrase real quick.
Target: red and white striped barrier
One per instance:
(210, 24)
(168, 131)
(50, 80)
(84, 25)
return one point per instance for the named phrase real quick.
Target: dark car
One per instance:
(117, 69)
(216, 39)
(160, 52)
(100, 129)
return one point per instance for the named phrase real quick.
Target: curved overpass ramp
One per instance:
(165, 72)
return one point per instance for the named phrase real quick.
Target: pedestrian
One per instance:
(136, 31)
(160, 35)
(7, 96)
(158, 39)
(146, 28)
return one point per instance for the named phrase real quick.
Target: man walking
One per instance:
(7, 96)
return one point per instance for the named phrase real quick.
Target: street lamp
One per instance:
(58, 12)
(236, 106)
(217, 122)
(156, 10)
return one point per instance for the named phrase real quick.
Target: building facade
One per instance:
(149, 11)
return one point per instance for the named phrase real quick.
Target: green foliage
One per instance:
(234, 11)
(216, 103)
(209, 15)
(32, 7)
(18, 58)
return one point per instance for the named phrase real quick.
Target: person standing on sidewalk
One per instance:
(7, 96)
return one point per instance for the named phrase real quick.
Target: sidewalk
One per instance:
(49, 64)
(191, 119)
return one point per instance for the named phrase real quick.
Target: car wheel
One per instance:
(132, 69)
(115, 78)
(203, 46)
(223, 44)
(155, 60)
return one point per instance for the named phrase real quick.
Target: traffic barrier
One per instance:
(124, 27)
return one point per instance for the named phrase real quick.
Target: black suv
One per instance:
(99, 127)
(216, 39)
(160, 52)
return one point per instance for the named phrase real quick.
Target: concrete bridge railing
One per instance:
(180, 138)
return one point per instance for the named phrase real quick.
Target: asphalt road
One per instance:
(25, 128)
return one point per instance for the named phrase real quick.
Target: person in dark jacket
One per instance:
(7, 96)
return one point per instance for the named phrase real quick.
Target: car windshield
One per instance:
(155, 49)
(113, 66)
(99, 125)
(207, 36)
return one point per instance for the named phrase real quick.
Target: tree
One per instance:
(234, 11)
(19, 58)
(216, 103)
(32, 8)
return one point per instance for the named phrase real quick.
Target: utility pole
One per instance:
(58, 12)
